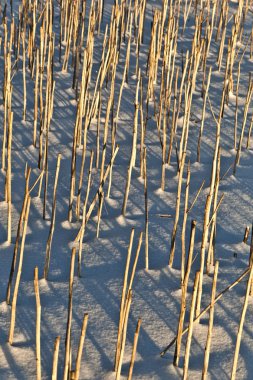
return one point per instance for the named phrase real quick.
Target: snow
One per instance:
(156, 292)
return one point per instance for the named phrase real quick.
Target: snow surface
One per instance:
(156, 292)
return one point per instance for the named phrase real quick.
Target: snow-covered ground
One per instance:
(156, 292)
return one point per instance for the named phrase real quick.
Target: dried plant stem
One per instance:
(124, 331)
(19, 271)
(187, 190)
(84, 214)
(38, 321)
(240, 329)
(184, 287)
(19, 231)
(236, 104)
(80, 346)
(133, 153)
(123, 299)
(212, 222)
(8, 178)
(136, 336)
(146, 208)
(245, 114)
(24, 77)
(67, 361)
(210, 326)
(52, 226)
(203, 113)
(190, 330)
(55, 358)
(35, 117)
(178, 200)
